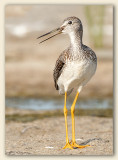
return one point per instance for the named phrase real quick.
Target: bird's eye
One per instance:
(70, 22)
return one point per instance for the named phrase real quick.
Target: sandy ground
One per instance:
(47, 136)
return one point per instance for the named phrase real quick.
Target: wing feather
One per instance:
(59, 66)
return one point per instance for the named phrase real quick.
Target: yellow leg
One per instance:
(68, 145)
(73, 124)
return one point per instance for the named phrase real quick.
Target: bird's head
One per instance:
(70, 24)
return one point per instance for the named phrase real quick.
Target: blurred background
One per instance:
(29, 66)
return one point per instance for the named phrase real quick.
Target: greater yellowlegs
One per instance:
(74, 68)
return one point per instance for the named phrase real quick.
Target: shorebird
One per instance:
(74, 68)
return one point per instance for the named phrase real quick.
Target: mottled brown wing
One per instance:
(89, 53)
(59, 68)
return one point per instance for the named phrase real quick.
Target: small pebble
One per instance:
(49, 147)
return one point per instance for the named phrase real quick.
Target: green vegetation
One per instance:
(95, 19)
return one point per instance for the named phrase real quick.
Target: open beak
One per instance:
(58, 30)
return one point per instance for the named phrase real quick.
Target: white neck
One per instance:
(76, 40)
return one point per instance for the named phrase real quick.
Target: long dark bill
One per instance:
(57, 29)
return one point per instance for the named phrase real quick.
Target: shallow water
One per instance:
(53, 104)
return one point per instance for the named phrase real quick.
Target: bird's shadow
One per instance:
(90, 140)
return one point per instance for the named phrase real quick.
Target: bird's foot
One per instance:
(75, 145)
(68, 145)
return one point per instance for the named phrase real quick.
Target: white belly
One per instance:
(76, 74)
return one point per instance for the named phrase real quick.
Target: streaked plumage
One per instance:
(81, 56)
(73, 69)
